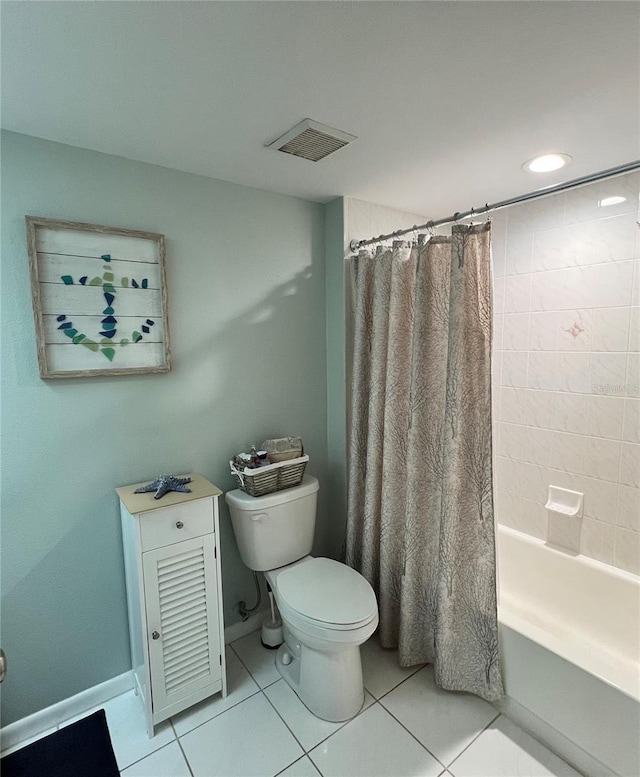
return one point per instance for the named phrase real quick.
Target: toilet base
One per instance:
(328, 683)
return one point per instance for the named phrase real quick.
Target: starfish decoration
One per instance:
(163, 484)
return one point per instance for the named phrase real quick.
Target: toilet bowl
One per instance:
(328, 609)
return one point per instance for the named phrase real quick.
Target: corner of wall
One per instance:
(336, 383)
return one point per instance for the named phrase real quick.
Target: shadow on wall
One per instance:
(270, 382)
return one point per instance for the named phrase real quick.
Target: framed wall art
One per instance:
(99, 299)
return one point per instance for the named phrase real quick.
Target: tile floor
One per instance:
(407, 728)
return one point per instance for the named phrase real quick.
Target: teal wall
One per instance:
(246, 283)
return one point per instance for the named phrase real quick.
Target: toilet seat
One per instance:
(325, 593)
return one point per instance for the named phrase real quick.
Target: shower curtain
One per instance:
(420, 514)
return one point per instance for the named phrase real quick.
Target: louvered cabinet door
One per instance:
(182, 624)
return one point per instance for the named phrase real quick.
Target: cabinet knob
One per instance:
(179, 525)
(155, 635)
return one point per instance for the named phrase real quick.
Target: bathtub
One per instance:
(570, 646)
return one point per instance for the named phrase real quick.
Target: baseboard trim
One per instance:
(237, 630)
(53, 716)
(568, 750)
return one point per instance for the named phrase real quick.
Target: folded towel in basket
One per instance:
(283, 449)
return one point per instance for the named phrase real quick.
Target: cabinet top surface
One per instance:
(142, 503)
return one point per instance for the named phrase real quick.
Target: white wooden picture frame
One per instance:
(99, 299)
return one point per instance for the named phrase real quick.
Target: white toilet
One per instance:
(328, 609)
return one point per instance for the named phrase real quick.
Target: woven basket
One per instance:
(274, 477)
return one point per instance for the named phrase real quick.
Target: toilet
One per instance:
(328, 609)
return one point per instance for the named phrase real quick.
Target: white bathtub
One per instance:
(570, 640)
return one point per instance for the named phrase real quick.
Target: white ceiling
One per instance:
(447, 98)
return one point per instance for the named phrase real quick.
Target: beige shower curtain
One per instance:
(420, 516)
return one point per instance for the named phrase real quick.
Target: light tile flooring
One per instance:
(407, 728)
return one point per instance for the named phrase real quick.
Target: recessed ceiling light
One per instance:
(606, 201)
(546, 163)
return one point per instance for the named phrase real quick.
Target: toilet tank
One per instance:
(275, 529)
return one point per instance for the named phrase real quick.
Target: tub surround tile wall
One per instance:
(567, 367)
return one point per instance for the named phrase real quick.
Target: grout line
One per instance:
(253, 677)
(217, 715)
(184, 755)
(479, 734)
(291, 764)
(404, 680)
(422, 745)
(286, 724)
(157, 750)
(324, 739)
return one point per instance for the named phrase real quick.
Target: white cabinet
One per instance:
(174, 596)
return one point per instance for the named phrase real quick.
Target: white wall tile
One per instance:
(605, 416)
(543, 332)
(601, 458)
(607, 373)
(498, 295)
(604, 240)
(572, 372)
(635, 291)
(596, 540)
(558, 290)
(610, 329)
(630, 464)
(522, 514)
(538, 409)
(626, 551)
(583, 204)
(529, 481)
(634, 330)
(543, 370)
(600, 498)
(516, 332)
(568, 452)
(498, 328)
(570, 412)
(607, 285)
(513, 405)
(536, 445)
(496, 366)
(631, 425)
(511, 443)
(504, 472)
(519, 251)
(514, 368)
(628, 515)
(632, 382)
(517, 293)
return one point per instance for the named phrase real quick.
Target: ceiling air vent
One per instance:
(312, 140)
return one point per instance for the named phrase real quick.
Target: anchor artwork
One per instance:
(99, 299)
(110, 322)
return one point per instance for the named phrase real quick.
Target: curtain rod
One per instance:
(610, 173)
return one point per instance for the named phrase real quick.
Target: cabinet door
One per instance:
(182, 623)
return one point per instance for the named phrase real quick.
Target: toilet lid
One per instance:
(327, 591)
